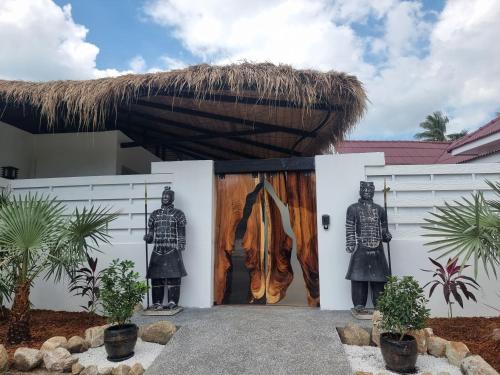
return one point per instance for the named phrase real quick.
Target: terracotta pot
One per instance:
(119, 341)
(399, 356)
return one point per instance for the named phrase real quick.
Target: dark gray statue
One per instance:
(167, 230)
(366, 229)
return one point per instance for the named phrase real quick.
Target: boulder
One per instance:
(77, 344)
(428, 332)
(427, 373)
(26, 359)
(159, 332)
(95, 336)
(495, 335)
(54, 343)
(105, 371)
(58, 360)
(476, 365)
(77, 368)
(4, 359)
(121, 370)
(90, 370)
(353, 334)
(137, 369)
(455, 352)
(421, 340)
(436, 346)
(376, 331)
(363, 373)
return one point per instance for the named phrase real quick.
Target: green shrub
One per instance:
(121, 290)
(403, 306)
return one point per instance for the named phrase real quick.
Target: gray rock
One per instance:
(476, 365)
(137, 369)
(443, 373)
(77, 368)
(90, 370)
(455, 352)
(105, 371)
(352, 334)
(436, 346)
(4, 359)
(159, 332)
(26, 359)
(54, 343)
(77, 344)
(121, 370)
(58, 360)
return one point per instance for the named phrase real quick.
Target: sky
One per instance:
(414, 57)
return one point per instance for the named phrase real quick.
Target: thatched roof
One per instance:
(217, 112)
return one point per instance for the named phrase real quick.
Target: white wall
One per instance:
(16, 149)
(493, 158)
(415, 191)
(126, 193)
(70, 154)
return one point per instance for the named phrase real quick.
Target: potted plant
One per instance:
(403, 309)
(121, 291)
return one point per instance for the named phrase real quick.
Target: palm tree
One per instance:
(455, 136)
(36, 238)
(434, 127)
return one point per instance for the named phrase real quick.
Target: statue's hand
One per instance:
(350, 249)
(148, 238)
(387, 236)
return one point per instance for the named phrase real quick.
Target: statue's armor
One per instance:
(366, 223)
(168, 225)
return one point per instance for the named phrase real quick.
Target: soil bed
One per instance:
(474, 332)
(47, 323)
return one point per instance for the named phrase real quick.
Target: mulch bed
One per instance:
(473, 332)
(47, 323)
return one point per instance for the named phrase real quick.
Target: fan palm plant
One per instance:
(469, 230)
(38, 238)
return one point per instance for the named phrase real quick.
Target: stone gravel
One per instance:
(369, 358)
(145, 353)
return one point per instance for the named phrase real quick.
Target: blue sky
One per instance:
(413, 56)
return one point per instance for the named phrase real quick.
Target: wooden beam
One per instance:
(181, 125)
(264, 165)
(213, 97)
(166, 141)
(225, 118)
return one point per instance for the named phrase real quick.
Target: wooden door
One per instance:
(266, 239)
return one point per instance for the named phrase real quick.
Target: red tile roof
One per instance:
(398, 152)
(490, 128)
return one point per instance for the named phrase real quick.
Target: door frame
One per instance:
(264, 165)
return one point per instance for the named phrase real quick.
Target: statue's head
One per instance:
(366, 189)
(168, 196)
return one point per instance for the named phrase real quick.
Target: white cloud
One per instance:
(41, 41)
(450, 64)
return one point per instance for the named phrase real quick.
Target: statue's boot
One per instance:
(174, 293)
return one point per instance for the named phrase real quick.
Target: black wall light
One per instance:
(325, 220)
(10, 173)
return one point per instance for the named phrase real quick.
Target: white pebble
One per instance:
(369, 358)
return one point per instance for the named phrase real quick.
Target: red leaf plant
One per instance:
(453, 282)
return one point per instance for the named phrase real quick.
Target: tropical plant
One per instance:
(6, 285)
(121, 291)
(403, 306)
(86, 283)
(452, 282)
(38, 238)
(434, 127)
(455, 136)
(468, 230)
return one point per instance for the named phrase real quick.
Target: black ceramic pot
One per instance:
(119, 341)
(399, 356)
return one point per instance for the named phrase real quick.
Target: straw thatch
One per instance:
(93, 105)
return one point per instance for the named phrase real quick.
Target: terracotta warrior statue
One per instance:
(366, 229)
(167, 230)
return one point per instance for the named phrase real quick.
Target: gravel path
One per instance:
(253, 340)
(369, 358)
